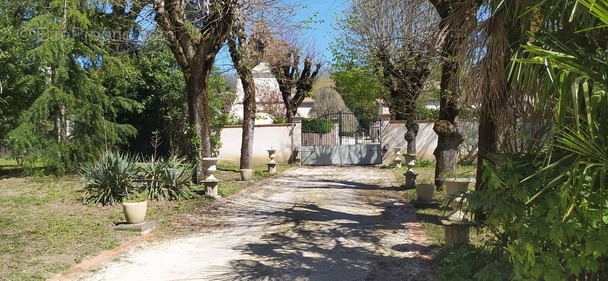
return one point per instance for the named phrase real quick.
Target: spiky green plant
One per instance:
(110, 179)
(167, 179)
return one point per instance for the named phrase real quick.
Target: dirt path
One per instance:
(322, 223)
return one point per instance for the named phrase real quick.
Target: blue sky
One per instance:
(319, 32)
(321, 29)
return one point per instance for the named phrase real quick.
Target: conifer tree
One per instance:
(71, 119)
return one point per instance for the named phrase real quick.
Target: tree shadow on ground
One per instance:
(335, 184)
(317, 243)
(14, 171)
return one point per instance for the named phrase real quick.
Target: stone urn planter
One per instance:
(425, 191)
(135, 212)
(210, 164)
(455, 186)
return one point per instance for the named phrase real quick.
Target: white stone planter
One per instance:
(272, 165)
(455, 186)
(210, 164)
(425, 191)
(397, 160)
(135, 212)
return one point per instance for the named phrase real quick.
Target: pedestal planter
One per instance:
(272, 165)
(211, 188)
(246, 174)
(410, 175)
(397, 159)
(457, 232)
(210, 181)
(210, 164)
(135, 212)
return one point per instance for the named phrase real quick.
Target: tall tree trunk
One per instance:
(410, 135)
(198, 111)
(405, 103)
(287, 102)
(459, 20)
(249, 110)
(195, 53)
(449, 136)
(288, 76)
(497, 101)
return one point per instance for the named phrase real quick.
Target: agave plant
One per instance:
(110, 179)
(167, 179)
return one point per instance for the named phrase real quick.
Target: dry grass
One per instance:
(45, 228)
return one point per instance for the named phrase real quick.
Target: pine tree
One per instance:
(71, 119)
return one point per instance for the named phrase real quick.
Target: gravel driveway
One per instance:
(310, 223)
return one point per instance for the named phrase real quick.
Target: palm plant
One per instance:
(559, 182)
(574, 78)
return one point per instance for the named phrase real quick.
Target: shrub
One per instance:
(544, 237)
(109, 179)
(319, 126)
(167, 179)
(467, 262)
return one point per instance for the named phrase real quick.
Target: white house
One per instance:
(268, 96)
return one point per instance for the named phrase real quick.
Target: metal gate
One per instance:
(341, 139)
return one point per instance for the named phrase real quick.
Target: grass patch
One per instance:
(430, 217)
(45, 228)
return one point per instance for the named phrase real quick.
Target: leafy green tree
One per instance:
(397, 39)
(360, 89)
(19, 78)
(162, 123)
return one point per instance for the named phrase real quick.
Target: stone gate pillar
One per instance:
(385, 118)
(296, 139)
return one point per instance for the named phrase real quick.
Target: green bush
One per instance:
(110, 179)
(465, 113)
(319, 126)
(467, 262)
(545, 238)
(427, 113)
(116, 177)
(167, 179)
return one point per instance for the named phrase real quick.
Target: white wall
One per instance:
(426, 141)
(277, 136)
(281, 138)
(393, 136)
